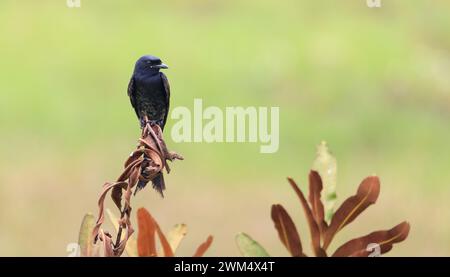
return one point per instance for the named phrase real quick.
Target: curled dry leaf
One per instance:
(384, 239)
(110, 248)
(131, 246)
(287, 231)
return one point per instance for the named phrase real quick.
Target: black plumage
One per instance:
(149, 93)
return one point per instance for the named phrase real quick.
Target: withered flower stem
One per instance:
(144, 164)
(119, 232)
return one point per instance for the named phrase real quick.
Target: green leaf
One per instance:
(85, 238)
(249, 247)
(325, 164)
(131, 246)
(176, 235)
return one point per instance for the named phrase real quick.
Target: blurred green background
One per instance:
(373, 83)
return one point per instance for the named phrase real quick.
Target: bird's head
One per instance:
(149, 63)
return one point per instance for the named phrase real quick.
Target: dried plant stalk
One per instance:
(143, 165)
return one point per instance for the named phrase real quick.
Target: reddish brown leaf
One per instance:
(164, 242)
(146, 236)
(384, 239)
(287, 231)
(203, 247)
(146, 243)
(315, 189)
(313, 228)
(367, 194)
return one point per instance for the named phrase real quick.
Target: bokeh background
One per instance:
(373, 83)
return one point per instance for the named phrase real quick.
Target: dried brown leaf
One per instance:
(133, 157)
(287, 231)
(367, 194)
(128, 170)
(131, 243)
(107, 244)
(120, 247)
(101, 205)
(384, 239)
(134, 177)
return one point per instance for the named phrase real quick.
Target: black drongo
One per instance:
(149, 94)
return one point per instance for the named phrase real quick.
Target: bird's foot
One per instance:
(152, 123)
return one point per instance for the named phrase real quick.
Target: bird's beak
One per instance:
(162, 66)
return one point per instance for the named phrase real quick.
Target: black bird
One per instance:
(149, 91)
(149, 94)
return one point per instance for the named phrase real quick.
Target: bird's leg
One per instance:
(142, 121)
(145, 120)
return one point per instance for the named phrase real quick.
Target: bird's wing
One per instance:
(132, 94)
(167, 89)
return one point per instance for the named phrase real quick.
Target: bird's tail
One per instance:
(158, 181)
(158, 184)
